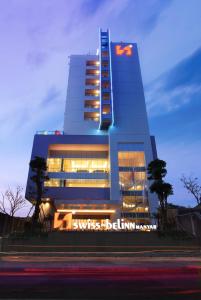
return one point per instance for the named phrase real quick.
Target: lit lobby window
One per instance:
(85, 165)
(54, 164)
(87, 183)
(52, 183)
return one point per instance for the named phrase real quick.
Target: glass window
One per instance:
(105, 53)
(132, 181)
(91, 103)
(131, 159)
(135, 204)
(52, 183)
(92, 72)
(91, 81)
(89, 183)
(106, 109)
(104, 74)
(105, 84)
(105, 96)
(105, 63)
(92, 92)
(92, 63)
(85, 165)
(91, 116)
(54, 164)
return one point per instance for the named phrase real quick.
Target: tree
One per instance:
(192, 186)
(39, 168)
(12, 201)
(157, 171)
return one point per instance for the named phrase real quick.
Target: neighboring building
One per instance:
(186, 219)
(97, 166)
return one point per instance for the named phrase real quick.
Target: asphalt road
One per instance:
(37, 277)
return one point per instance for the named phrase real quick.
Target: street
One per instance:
(49, 277)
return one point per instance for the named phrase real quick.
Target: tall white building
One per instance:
(97, 165)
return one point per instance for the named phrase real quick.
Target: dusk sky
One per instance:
(36, 38)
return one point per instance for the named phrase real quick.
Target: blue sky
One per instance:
(38, 36)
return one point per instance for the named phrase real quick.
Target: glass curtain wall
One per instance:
(87, 166)
(132, 181)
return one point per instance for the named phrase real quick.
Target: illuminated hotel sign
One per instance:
(66, 222)
(119, 225)
(123, 50)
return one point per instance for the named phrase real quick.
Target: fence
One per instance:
(9, 224)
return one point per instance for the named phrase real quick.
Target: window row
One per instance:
(78, 165)
(88, 183)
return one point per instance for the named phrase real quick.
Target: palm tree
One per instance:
(39, 167)
(157, 171)
(163, 190)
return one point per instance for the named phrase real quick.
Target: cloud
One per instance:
(36, 59)
(90, 7)
(186, 73)
(176, 87)
(53, 94)
(148, 14)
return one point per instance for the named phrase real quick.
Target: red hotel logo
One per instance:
(126, 50)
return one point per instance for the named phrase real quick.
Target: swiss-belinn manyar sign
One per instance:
(67, 223)
(107, 225)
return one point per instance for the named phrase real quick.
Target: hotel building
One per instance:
(97, 165)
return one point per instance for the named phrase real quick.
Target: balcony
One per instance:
(91, 116)
(90, 63)
(92, 92)
(92, 82)
(92, 72)
(92, 104)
